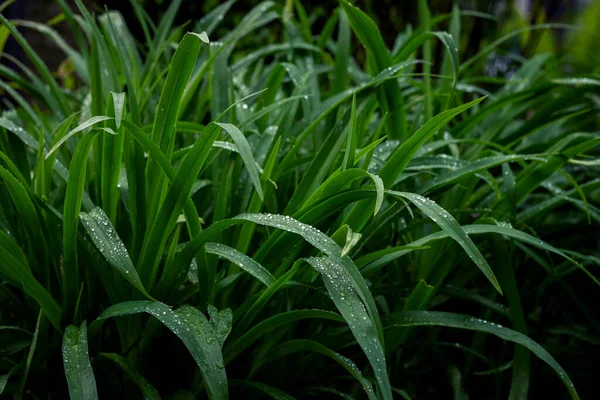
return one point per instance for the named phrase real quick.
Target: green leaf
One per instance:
(80, 376)
(109, 244)
(163, 131)
(221, 321)
(341, 77)
(241, 260)
(320, 165)
(246, 153)
(349, 303)
(81, 127)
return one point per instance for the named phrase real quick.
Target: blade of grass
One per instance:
(80, 376)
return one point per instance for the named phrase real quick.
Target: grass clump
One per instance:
(262, 215)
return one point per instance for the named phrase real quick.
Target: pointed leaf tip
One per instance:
(202, 36)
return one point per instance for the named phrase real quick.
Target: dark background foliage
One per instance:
(392, 17)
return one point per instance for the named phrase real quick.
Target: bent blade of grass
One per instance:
(346, 238)
(194, 330)
(329, 247)
(80, 376)
(341, 180)
(447, 223)
(221, 321)
(241, 260)
(451, 320)
(374, 261)
(529, 239)
(87, 124)
(109, 244)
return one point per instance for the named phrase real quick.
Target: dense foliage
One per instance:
(265, 215)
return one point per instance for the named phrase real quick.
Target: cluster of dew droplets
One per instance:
(505, 224)
(192, 274)
(311, 234)
(169, 318)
